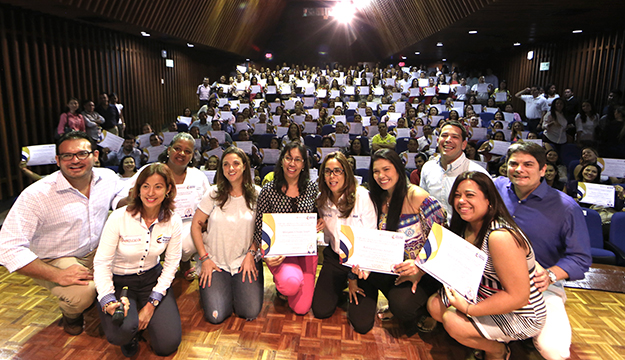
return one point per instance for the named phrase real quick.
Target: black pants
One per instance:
(532, 124)
(164, 327)
(401, 301)
(330, 284)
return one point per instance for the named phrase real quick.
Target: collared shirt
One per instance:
(388, 139)
(204, 128)
(554, 224)
(110, 115)
(73, 121)
(128, 246)
(135, 153)
(203, 91)
(438, 181)
(51, 219)
(92, 124)
(534, 106)
(362, 216)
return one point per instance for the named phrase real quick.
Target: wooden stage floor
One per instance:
(29, 330)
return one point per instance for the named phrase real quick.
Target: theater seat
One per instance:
(313, 142)
(599, 254)
(364, 173)
(264, 140)
(444, 114)
(401, 145)
(327, 129)
(571, 169)
(265, 170)
(616, 242)
(569, 153)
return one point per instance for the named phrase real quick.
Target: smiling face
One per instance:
(385, 174)
(129, 165)
(590, 173)
(75, 169)
(524, 171)
(589, 156)
(153, 192)
(335, 183)
(470, 202)
(233, 168)
(73, 105)
(450, 143)
(181, 152)
(293, 164)
(550, 173)
(552, 156)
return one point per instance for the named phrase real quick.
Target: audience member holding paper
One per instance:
(407, 209)
(291, 191)
(555, 224)
(294, 134)
(501, 95)
(356, 148)
(191, 185)
(508, 306)
(382, 140)
(341, 202)
(481, 90)
(230, 275)
(555, 124)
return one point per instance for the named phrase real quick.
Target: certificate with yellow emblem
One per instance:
(453, 261)
(289, 234)
(372, 250)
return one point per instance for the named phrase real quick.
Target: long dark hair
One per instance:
(279, 180)
(135, 205)
(347, 201)
(582, 113)
(496, 210)
(224, 186)
(379, 196)
(580, 174)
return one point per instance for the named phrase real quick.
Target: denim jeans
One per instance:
(228, 294)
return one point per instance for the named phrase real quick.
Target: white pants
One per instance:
(554, 341)
(188, 247)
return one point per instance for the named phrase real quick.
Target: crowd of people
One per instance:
(390, 149)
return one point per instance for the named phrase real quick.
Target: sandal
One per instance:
(190, 274)
(426, 324)
(385, 314)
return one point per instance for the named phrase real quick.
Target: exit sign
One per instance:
(544, 66)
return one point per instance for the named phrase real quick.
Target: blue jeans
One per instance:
(228, 294)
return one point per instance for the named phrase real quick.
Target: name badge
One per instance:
(130, 240)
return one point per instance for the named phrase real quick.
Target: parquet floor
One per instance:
(29, 330)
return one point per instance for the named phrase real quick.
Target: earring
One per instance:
(167, 195)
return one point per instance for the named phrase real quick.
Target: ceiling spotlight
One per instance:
(444, 59)
(530, 55)
(577, 31)
(190, 45)
(417, 53)
(517, 44)
(343, 12)
(143, 33)
(439, 44)
(473, 32)
(403, 58)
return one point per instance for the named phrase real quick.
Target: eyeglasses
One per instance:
(81, 155)
(181, 150)
(335, 171)
(288, 159)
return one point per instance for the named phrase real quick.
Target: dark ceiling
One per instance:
(385, 30)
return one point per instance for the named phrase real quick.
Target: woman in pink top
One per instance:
(71, 119)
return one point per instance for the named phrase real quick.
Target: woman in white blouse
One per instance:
(341, 202)
(230, 277)
(132, 242)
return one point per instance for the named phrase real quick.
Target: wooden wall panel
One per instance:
(45, 60)
(591, 65)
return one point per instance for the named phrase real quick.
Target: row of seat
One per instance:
(612, 251)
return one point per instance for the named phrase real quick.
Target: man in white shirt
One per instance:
(535, 107)
(53, 230)
(438, 174)
(203, 92)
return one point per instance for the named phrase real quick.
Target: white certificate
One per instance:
(492, 110)
(479, 133)
(210, 175)
(443, 89)
(378, 91)
(216, 152)
(501, 97)
(322, 93)
(509, 117)
(255, 89)
(363, 90)
(246, 146)
(461, 90)
(402, 132)
(281, 130)
(186, 200)
(352, 105)
(285, 89)
(271, 89)
(299, 119)
(185, 119)
(111, 141)
(372, 131)
(597, 194)
(408, 159)
(371, 250)
(342, 140)
(355, 128)
(168, 137)
(314, 113)
(350, 90)
(424, 82)
(270, 156)
(334, 94)
(499, 147)
(482, 88)
(340, 118)
(362, 162)
(415, 92)
(453, 261)
(152, 152)
(220, 135)
(310, 127)
(612, 167)
(430, 91)
(260, 128)
(309, 90)
(389, 82)
(309, 102)
(39, 154)
(222, 102)
(144, 140)
(325, 151)
(289, 235)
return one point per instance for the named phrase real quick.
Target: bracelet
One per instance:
(251, 251)
(107, 305)
(204, 257)
(467, 312)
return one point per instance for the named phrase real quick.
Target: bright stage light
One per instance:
(343, 12)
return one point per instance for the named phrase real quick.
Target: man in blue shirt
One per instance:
(555, 226)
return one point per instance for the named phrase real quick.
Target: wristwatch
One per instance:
(154, 302)
(552, 276)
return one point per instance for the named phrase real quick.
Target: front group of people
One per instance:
(167, 212)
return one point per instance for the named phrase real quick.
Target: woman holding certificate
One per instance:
(291, 191)
(341, 202)
(408, 209)
(509, 306)
(128, 257)
(229, 277)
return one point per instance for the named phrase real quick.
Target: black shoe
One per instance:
(72, 326)
(131, 349)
